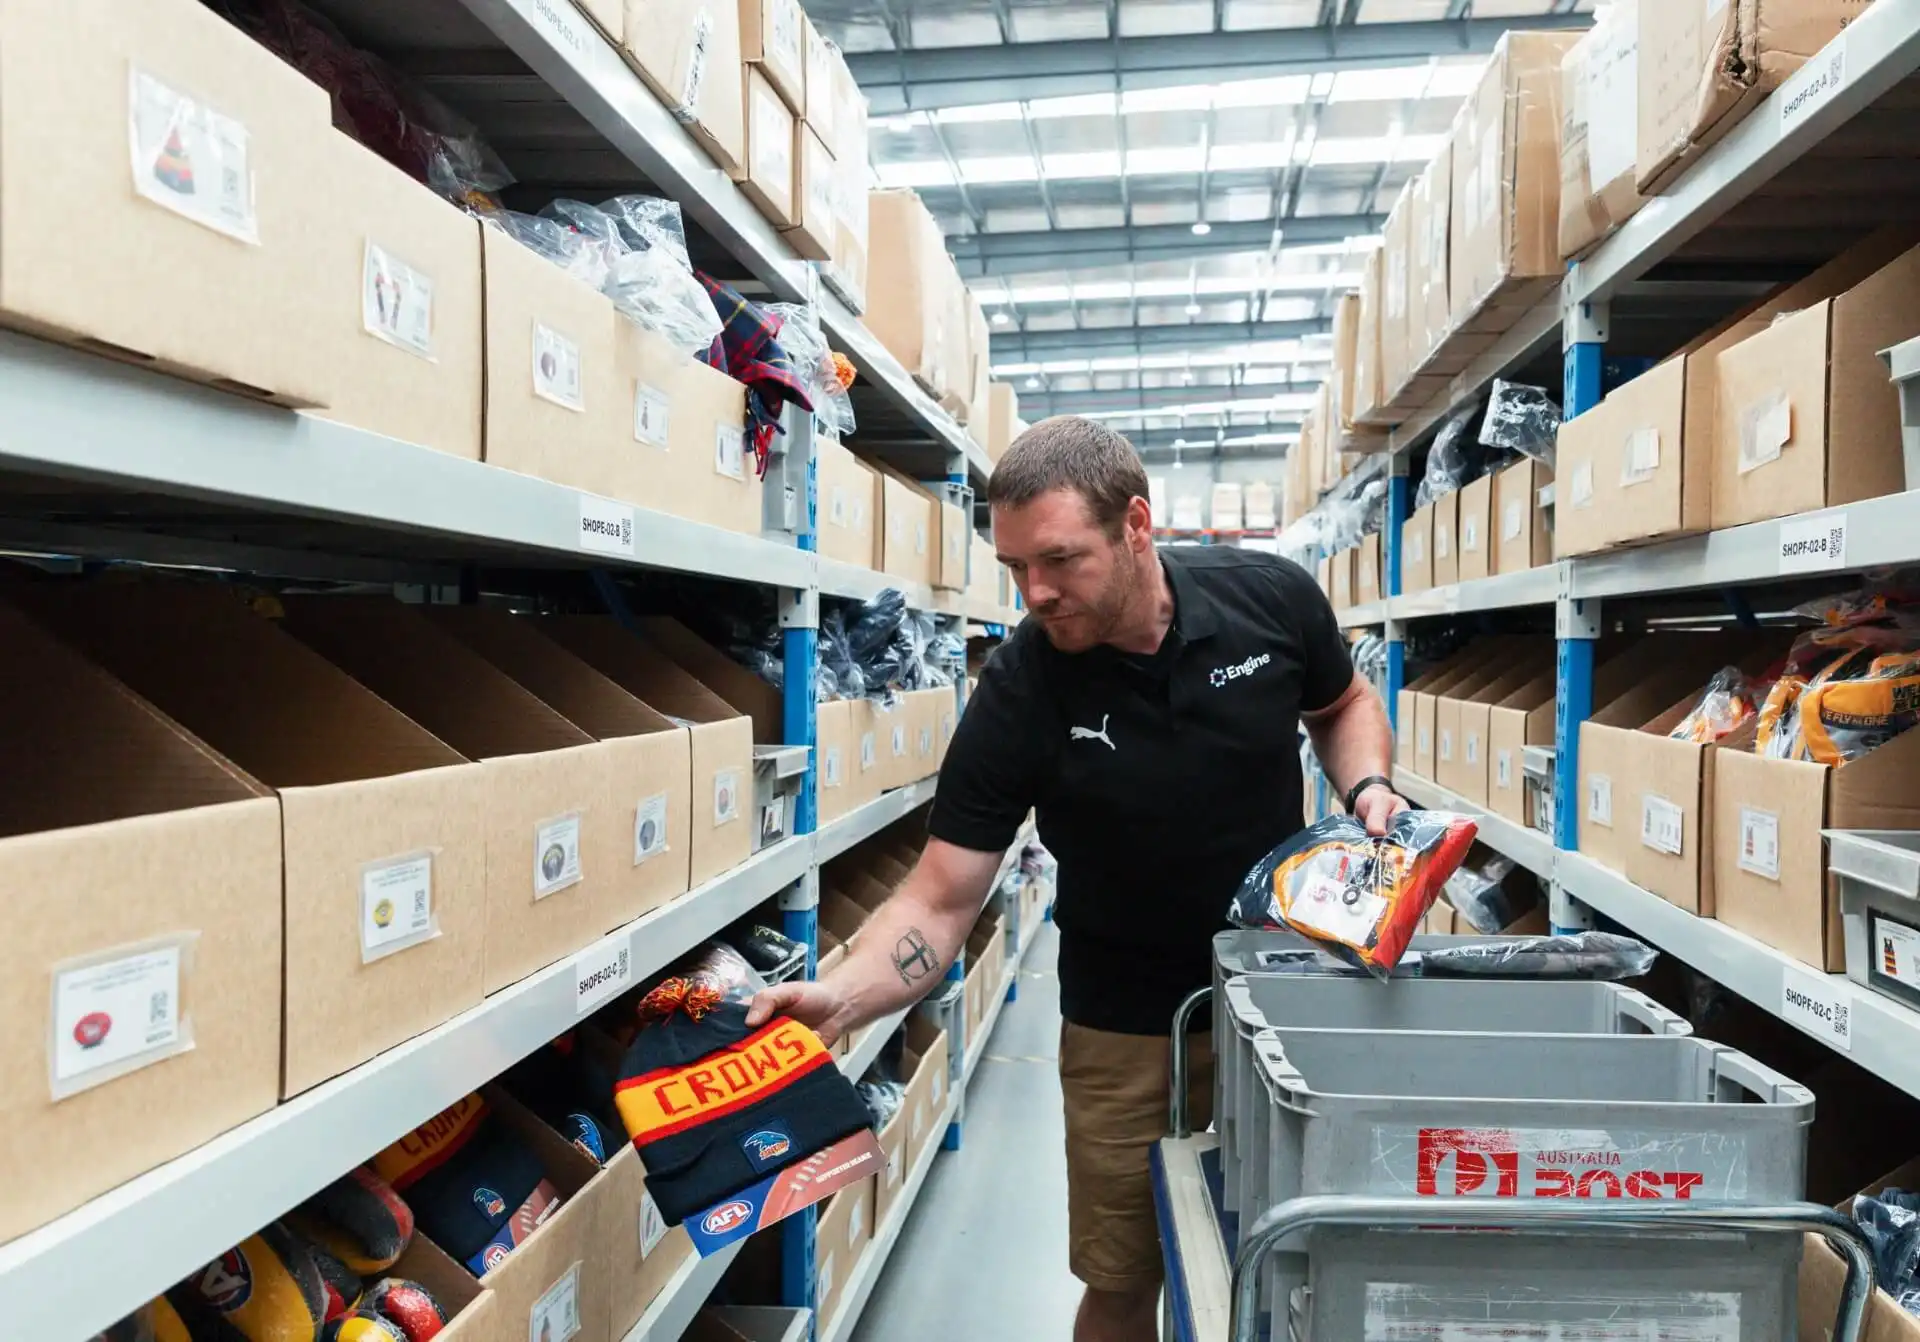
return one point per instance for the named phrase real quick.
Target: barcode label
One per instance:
(1818, 1005)
(396, 904)
(1813, 544)
(1600, 800)
(1760, 843)
(1661, 824)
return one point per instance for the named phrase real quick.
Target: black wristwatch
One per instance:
(1353, 793)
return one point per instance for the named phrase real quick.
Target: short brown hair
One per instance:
(1068, 452)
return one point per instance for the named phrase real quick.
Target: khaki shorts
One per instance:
(1116, 1089)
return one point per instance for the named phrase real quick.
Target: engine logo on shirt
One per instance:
(1220, 675)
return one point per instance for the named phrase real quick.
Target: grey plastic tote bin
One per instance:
(1903, 362)
(1438, 1115)
(1879, 871)
(1454, 1006)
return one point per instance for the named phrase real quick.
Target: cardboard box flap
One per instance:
(440, 681)
(515, 645)
(646, 672)
(83, 749)
(1877, 790)
(247, 688)
(740, 688)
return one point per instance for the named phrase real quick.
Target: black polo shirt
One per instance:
(1158, 780)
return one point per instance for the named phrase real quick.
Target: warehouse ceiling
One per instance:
(1157, 201)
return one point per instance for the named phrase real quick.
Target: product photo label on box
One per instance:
(396, 905)
(1446, 744)
(1766, 427)
(866, 751)
(396, 302)
(1894, 948)
(1503, 769)
(653, 1226)
(650, 828)
(113, 1014)
(830, 767)
(652, 416)
(191, 158)
(1600, 800)
(899, 742)
(556, 855)
(1661, 824)
(780, 1195)
(726, 796)
(773, 820)
(1642, 457)
(1760, 843)
(555, 1316)
(730, 451)
(556, 368)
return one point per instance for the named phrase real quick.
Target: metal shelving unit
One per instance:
(1528, 847)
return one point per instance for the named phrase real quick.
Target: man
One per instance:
(1148, 711)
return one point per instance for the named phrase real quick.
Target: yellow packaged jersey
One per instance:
(1841, 720)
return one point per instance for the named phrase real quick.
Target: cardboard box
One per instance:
(773, 44)
(823, 95)
(1769, 861)
(1366, 571)
(1523, 718)
(469, 1306)
(955, 393)
(928, 1055)
(844, 1230)
(1446, 549)
(1599, 130)
(609, 16)
(847, 274)
(643, 1253)
(740, 688)
(1343, 571)
(722, 740)
(909, 521)
(1809, 418)
(402, 305)
(553, 408)
(767, 175)
(837, 762)
(652, 758)
(1506, 184)
(1465, 714)
(1003, 412)
(1521, 537)
(688, 53)
(956, 543)
(849, 504)
(1823, 1276)
(1473, 529)
(121, 836)
(869, 771)
(1416, 703)
(1432, 208)
(682, 445)
(816, 183)
(1451, 768)
(1368, 358)
(372, 808)
(1416, 552)
(908, 284)
(554, 835)
(1703, 66)
(1397, 308)
(891, 1182)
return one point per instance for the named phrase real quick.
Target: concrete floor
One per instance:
(983, 1257)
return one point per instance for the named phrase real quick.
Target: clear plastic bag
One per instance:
(1521, 420)
(1891, 1223)
(1580, 955)
(1453, 461)
(1728, 701)
(634, 251)
(1482, 895)
(572, 251)
(1360, 896)
(1851, 684)
(836, 657)
(713, 974)
(883, 1099)
(879, 646)
(646, 222)
(813, 362)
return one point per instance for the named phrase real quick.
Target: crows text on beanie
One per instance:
(265, 1289)
(714, 1107)
(359, 1219)
(476, 1188)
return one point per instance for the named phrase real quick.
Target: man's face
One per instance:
(1076, 579)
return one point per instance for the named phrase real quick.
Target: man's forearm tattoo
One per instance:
(914, 958)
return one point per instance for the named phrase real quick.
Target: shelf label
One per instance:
(1813, 544)
(1760, 843)
(555, 1316)
(1661, 824)
(557, 22)
(606, 527)
(1814, 84)
(1817, 1005)
(600, 974)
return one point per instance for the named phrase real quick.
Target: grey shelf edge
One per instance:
(1884, 1035)
(835, 837)
(838, 578)
(1882, 47)
(977, 1048)
(136, 1240)
(1537, 329)
(1530, 587)
(1528, 847)
(80, 416)
(1359, 617)
(685, 1295)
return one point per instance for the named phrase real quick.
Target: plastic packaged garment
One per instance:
(836, 658)
(713, 974)
(1580, 955)
(768, 951)
(1521, 421)
(813, 364)
(878, 645)
(883, 1099)
(1482, 896)
(1361, 896)
(633, 249)
(1727, 702)
(1834, 704)
(750, 351)
(1891, 1223)
(1455, 459)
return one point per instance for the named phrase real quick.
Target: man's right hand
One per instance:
(822, 1007)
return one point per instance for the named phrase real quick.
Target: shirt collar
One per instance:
(1194, 614)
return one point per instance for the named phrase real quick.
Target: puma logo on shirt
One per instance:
(1089, 734)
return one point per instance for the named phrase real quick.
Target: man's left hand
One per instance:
(1377, 806)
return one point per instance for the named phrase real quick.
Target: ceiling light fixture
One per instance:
(1201, 228)
(1193, 309)
(1001, 318)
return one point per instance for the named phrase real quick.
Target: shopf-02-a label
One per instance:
(1593, 1163)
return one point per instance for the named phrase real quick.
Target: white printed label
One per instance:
(1600, 800)
(650, 828)
(1814, 84)
(1661, 824)
(1766, 427)
(785, 35)
(857, 1220)
(1817, 1004)
(946, 726)
(600, 974)
(1581, 487)
(106, 1013)
(726, 796)
(1469, 535)
(830, 767)
(1895, 949)
(556, 17)
(396, 302)
(899, 742)
(896, 1166)
(555, 1316)
(866, 751)
(919, 1124)
(730, 451)
(1503, 769)
(1446, 744)
(396, 902)
(190, 159)
(1813, 544)
(823, 1282)
(1426, 741)
(652, 415)
(1441, 539)
(859, 514)
(1416, 547)
(819, 206)
(653, 1226)
(1642, 457)
(1405, 1312)
(771, 133)
(1760, 843)
(924, 746)
(556, 368)
(688, 111)
(1510, 519)
(939, 1087)
(556, 855)
(1473, 748)
(1323, 907)
(606, 527)
(837, 506)
(919, 538)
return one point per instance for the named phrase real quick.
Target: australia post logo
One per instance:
(1500, 1163)
(1220, 675)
